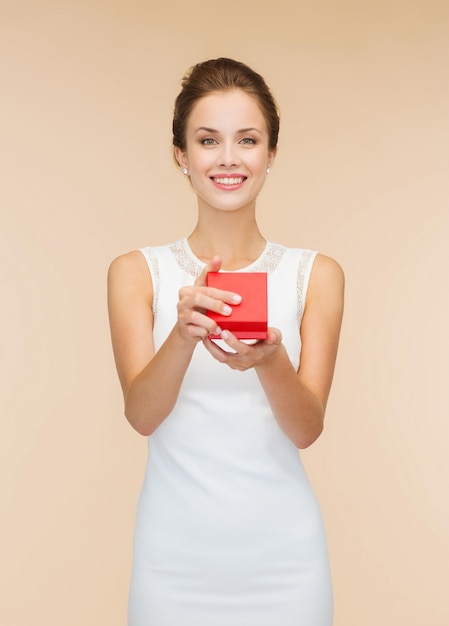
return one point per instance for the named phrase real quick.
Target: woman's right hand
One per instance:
(193, 322)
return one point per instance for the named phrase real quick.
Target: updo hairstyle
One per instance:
(223, 75)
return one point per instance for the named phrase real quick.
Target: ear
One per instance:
(181, 157)
(271, 157)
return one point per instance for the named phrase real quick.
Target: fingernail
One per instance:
(225, 335)
(236, 298)
(227, 310)
(218, 330)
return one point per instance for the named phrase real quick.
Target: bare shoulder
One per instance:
(131, 263)
(321, 324)
(325, 269)
(130, 296)
(129, 274)
(327, 282)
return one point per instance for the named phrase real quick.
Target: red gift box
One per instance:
(249, 319)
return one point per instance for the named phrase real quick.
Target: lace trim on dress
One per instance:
(302, 282)
(270, 258)
(267, 262)
(153, 264)
(184, 258)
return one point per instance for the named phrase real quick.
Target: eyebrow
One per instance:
(239, 132)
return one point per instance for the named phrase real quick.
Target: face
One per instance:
(227, 150)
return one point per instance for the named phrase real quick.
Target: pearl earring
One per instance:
(268, 170)
(185, 171)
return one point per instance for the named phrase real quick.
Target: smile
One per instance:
(228, 180)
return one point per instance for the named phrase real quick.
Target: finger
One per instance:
(202, 299)
(218, 353)
(209, 298)
(274, 337)
(213, 266)
(232, 341)
(209, 326)
(218, 300)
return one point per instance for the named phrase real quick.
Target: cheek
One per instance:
(258, 162)
(199, 159)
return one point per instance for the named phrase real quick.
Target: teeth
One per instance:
(229, 181)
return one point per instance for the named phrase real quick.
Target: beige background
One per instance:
(87, 91)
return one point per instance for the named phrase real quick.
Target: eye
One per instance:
(248, 141)
(208, 141)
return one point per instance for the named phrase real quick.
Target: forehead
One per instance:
(227, 110)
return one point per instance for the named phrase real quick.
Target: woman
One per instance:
(228, 531)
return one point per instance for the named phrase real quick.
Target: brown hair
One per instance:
(223, 75)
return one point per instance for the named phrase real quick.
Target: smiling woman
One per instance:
(228, 153)
(228, 530)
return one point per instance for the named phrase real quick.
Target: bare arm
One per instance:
(151, 380)
(298, 399)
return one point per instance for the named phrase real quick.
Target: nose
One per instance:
(228, 155)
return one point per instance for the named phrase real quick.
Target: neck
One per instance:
(235, 237)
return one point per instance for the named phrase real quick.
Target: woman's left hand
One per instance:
(244, 356)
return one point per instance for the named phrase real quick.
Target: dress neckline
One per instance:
(267, 261)
(245, 268)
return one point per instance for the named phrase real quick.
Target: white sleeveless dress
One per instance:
(228, 530)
